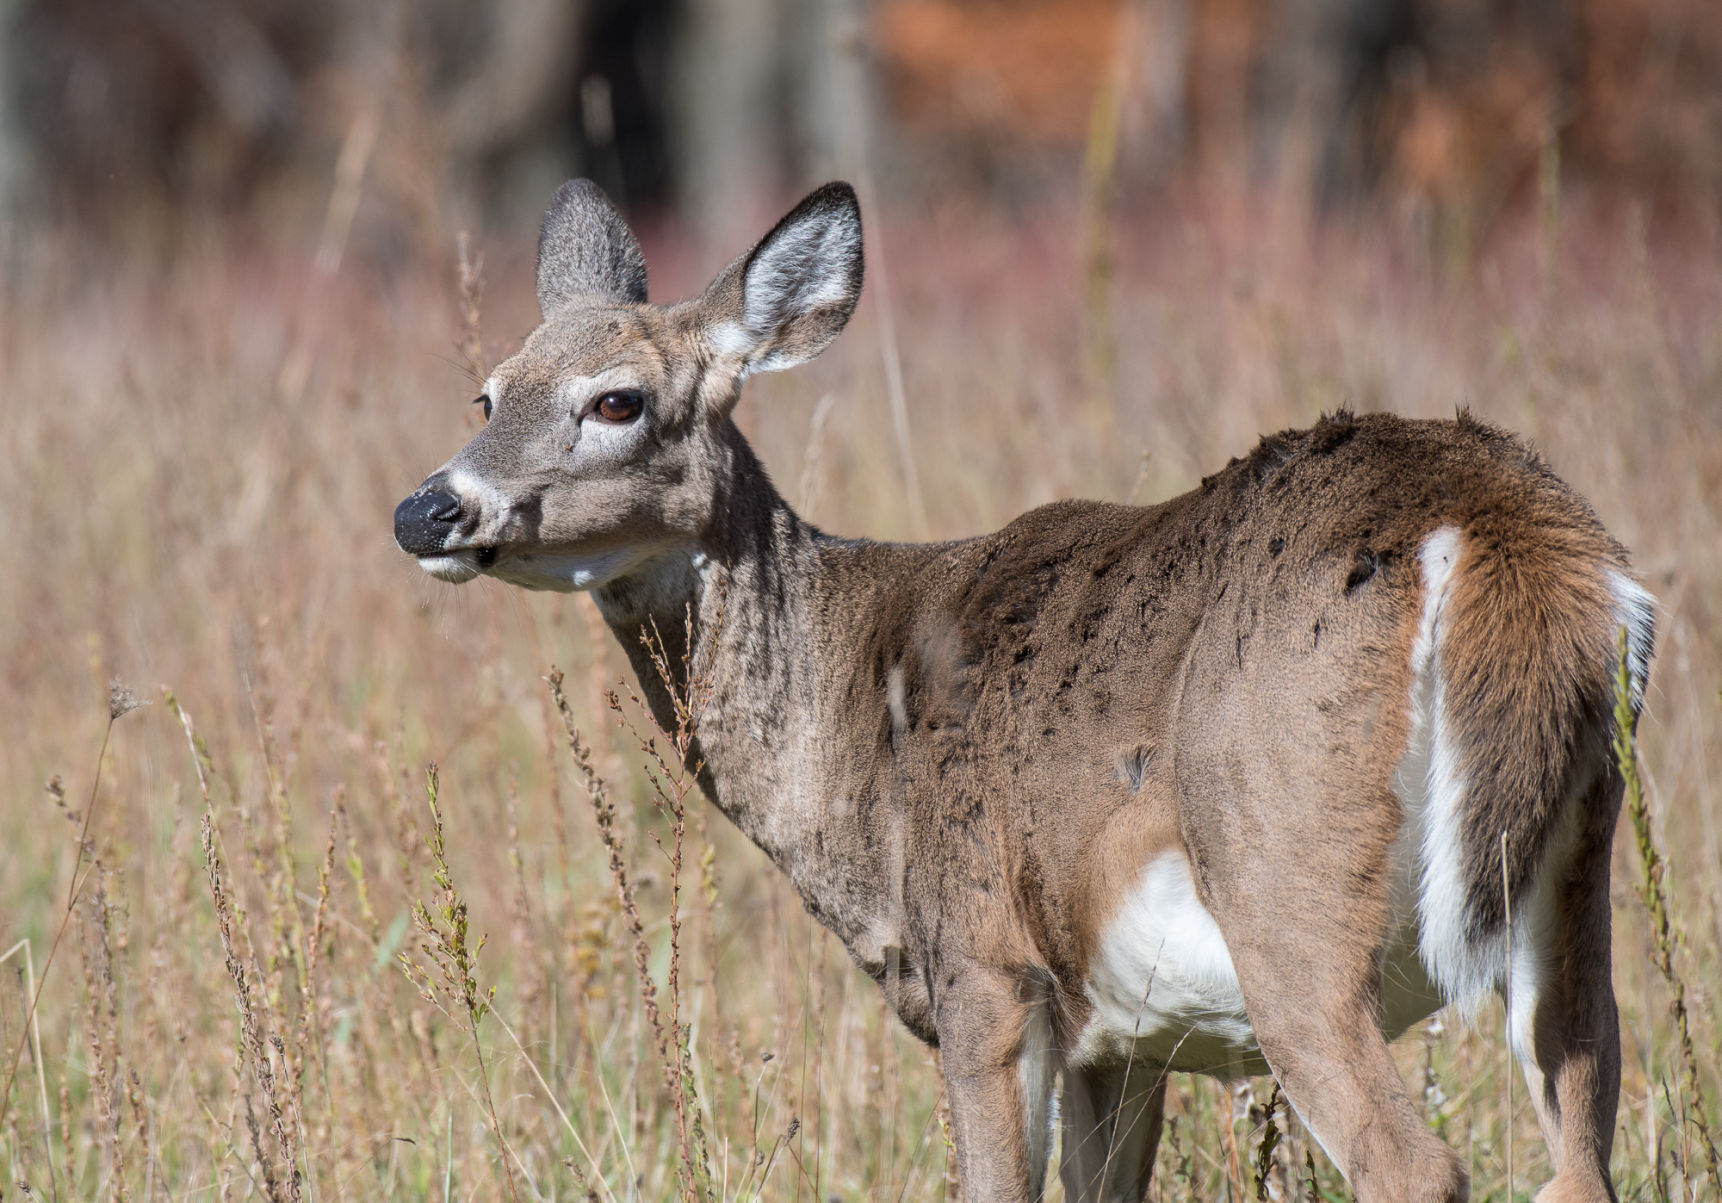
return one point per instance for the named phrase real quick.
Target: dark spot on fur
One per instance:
(1364, 566)
(1133, 766)
(1276, 545)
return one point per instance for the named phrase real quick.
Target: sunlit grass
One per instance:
(199, 473)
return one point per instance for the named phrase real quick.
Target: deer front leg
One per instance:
(995, 1041)
(1112, 1115)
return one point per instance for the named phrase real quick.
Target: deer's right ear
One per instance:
(586, 249)
(786, 300)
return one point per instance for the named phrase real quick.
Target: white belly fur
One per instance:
(1162, 984)
(1164, 990)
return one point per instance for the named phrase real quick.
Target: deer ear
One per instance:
(788, 298)
(586, 249)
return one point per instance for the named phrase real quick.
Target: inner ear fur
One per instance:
(788, 298)
(585, 248)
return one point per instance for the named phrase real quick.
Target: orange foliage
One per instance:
(1443, 100)
(1019, 68)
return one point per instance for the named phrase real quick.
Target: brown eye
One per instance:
(483, 400)
(619, 407)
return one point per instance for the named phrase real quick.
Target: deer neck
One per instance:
(735, 616)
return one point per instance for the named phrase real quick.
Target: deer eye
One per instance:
(620, 407)
(484, 400)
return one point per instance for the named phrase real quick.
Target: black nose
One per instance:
(424, 520)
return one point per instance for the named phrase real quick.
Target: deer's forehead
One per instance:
(578, 343)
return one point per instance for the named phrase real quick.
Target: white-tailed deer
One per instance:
(1237, 783)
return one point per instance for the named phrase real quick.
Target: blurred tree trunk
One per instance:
(1156, 88)
(1304, 89)
(833, 87)
(14, 136)
(726, 114)
(769, 97)
(507, 119)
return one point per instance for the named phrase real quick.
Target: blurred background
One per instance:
(385, 125)
(256, 257)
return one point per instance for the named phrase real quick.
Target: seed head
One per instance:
(123, 699)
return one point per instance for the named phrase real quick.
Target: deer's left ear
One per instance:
(786, 300)
(586, 249)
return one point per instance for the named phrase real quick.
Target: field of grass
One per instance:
(200, 463)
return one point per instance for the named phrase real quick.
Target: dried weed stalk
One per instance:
(470, 279)
(281, 1148)
(122, 700)
(106, 1073)
(673, 776)
(689, 688)
(447, 978)
(604, 812)
(1665, 937)
(1270, 1142)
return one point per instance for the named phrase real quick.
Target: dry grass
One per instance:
(201, 463)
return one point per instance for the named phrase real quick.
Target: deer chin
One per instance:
(455, 567)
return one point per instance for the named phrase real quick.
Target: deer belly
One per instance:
(1163, 988)
(1162, 984)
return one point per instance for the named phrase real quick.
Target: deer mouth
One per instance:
(459, 565)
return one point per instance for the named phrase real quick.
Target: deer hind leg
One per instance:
(1315, 1006)
(1308, 927)
(1564, 1027)
(1112, 1115)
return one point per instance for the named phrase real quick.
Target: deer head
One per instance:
(608, 435)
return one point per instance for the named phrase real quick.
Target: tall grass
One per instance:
(1693, 1108)
(199, 471)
